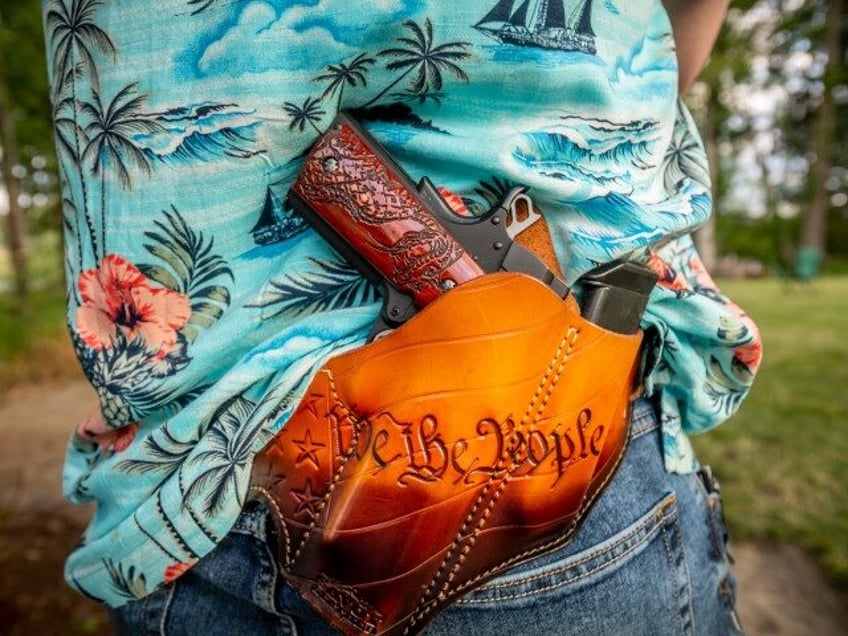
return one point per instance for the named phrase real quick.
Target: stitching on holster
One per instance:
(557, 363)
(279, 519)
(337, 402)
(557, 541)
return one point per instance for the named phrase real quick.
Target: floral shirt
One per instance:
(200, 305)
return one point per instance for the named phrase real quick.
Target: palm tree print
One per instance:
(110, 140)
(725, 391)
(334, 286)
(421, 96)
(73, 230)
(73, 32)
(163, 451)
(64, 125)
(190, 267)
(309, 113)
(684, 158)
(131, 584)
(427, 60)
(74, 38)
(227, 460)
(65, 132)
(342, 75)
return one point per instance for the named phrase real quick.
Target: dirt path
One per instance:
(781, 591)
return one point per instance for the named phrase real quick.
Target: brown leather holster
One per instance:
(420, 465)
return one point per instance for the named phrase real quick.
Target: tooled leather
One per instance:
(384, 520)
(465, 539)
(351, 187)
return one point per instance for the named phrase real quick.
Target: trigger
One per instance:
(443, 203)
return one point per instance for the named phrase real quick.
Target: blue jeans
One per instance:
(651, 558)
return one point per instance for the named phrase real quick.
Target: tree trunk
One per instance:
(705, 236)
(15, 221)
(824, 128)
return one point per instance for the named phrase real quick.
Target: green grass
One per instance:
(34, 344)
(783, 459)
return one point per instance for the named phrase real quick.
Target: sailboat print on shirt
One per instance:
(275, 224)
(541, 24)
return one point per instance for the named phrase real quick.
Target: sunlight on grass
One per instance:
(783, 459)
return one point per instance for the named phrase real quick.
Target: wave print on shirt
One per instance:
(614, 225)
(203, 132)
(596, 223)
(600, 155)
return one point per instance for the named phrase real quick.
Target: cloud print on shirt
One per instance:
(267, 35)
(647, 57)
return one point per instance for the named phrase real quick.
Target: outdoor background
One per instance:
(773, 110)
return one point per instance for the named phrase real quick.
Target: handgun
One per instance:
(408, 240)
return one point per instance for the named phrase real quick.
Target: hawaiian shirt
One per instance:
(200, 305)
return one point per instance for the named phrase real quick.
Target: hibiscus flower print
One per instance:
(176, 570)
(667, 276)
(95, 430)
(118, 297)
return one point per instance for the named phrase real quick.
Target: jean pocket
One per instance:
(599, 590)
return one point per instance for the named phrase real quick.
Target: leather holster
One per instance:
(420, 465)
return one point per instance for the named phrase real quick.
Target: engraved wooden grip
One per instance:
(361, 195)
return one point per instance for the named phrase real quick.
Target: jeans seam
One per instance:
(716, 526)
(714, 511)
(268, 579)
(679, 566)
(639, 430)
(166, 607)
(665, 506)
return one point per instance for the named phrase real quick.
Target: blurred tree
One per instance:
(728, 63)
(816, 119)
(16, 234)
(824, 132)
(25, 130)
(775, 95)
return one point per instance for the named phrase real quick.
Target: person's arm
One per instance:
(696, 24)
